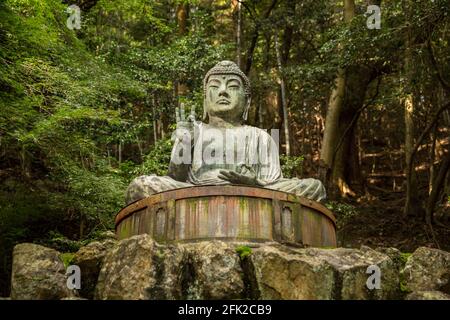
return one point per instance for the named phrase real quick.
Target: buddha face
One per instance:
(225, 97)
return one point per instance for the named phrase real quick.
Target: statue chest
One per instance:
(228, 149)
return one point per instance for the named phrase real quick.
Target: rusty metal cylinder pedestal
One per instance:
(234, 213)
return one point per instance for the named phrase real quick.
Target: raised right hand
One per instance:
(185, 124)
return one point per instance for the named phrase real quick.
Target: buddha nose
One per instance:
(223, 90)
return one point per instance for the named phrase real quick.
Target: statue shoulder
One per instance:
(262, 133)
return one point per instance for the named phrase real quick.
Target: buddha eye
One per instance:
(234, 84)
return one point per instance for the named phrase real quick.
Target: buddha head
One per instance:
(226, 92)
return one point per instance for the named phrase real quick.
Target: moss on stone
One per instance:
(403, 286)
(243, 252)
(67, 258)
(404, 257)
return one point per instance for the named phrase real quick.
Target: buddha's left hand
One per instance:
(237, 178)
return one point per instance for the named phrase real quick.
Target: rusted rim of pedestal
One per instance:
(214, 190)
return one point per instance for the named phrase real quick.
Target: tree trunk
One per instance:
(433, 137)
(182, 15)
(333, 162)
(82, 225)
(349, 10)
(155, 135)
(412, 205)
(438, 183)
(287, 34)
(263, 109)
(254, 38)
(283, 98)
(345, 157)
(334, 111)
(330, 133)
(120, 151)
(339, 156)
(238, 35)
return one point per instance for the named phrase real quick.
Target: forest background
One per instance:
(85, 110)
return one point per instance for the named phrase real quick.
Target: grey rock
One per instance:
(283, 273)
(427, 295)
(138, 268)
(214, 271)
(428, 269)
(394, 254)
(90, 258)
(108, 235)
(38, 273)
(289, 275)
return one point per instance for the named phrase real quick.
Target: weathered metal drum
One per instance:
(237, 213)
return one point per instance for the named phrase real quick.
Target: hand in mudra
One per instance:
(245, 176)
(185, 125)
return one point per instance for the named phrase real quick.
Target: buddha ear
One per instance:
(247, 107)
(205, 113)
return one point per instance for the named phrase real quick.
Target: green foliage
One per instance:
(403, 284)
(97, 196)
(403, 287)
(60, 242)
(157, 160)
(343, 211)
(243, 252)
(291, 166)
(67, 258)
(404, 256)
(60, 106)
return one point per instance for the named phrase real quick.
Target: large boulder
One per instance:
(286, 273)
(212, 271)
(428, 269)
(90, 258)
(396, 256)
(427, 295)
(139, 268)
(38, 273)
